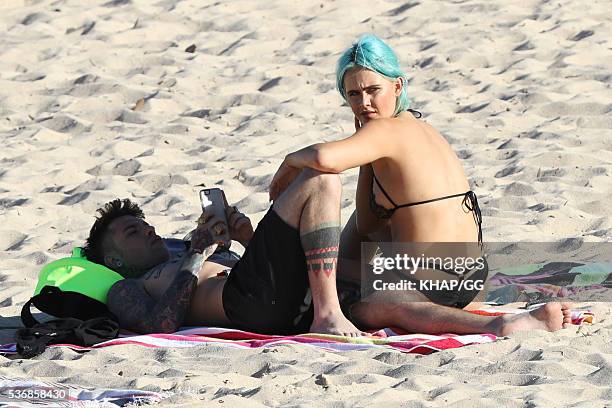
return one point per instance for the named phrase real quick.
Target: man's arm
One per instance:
(139, 312)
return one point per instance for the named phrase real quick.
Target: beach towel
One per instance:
(545, 282)
(30, 393)
(389, 338)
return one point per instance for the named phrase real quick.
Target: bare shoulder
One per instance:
(381, 125)
(381, 129)
(415, 133)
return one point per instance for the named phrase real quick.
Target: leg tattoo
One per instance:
(321, 249)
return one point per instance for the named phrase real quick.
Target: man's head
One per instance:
(122, 240)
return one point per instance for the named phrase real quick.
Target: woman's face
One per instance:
(370, 95)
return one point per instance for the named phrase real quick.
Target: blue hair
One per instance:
(372, 53)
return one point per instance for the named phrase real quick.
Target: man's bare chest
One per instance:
(157, 281)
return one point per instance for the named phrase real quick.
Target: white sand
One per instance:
(101, 100)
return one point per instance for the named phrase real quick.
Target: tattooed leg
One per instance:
(312, 204)
(321, 249)
(320, 236)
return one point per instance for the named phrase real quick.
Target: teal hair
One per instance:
(372, 53)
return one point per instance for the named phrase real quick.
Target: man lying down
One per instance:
(285, 282)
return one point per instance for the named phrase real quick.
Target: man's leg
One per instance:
(431, 318)
(312, 204)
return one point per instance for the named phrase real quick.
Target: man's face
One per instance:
(137, 245)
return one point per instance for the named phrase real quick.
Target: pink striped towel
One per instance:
(390, 338)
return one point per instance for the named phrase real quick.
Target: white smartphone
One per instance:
(213, 200)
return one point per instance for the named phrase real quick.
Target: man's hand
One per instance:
(240, 227)
(281, 180)
(211, 231)
(194, 260)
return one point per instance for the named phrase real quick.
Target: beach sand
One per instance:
(102, 99)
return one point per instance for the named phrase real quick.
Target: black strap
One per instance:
(470, 201)
(384, 192)
(54, 301)
(416, 113)
(33, 341)
(26, 314)
(432, 200)
(418, 202)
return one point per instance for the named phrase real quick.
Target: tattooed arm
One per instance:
(139, 312)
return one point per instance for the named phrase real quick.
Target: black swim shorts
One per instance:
(474, 280)
(267, 291)
(476, 277)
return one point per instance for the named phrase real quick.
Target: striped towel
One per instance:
(390, 338)
(190, 337)
(30, 393)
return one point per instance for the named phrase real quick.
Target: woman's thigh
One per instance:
(350, 256)
(351, 239)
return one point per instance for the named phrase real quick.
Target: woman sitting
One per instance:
(411, 188)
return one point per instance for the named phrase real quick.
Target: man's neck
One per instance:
(129, 272)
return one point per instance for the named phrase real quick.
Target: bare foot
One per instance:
(336, 324)
(550, 317)
(567, 314)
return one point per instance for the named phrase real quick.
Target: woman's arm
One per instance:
(371, 142)
(367, 222)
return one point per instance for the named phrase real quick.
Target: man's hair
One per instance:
(94, 246)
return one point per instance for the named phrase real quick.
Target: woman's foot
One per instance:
(550, 317)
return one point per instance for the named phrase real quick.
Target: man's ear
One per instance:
(113, 261)
(112, 257)
(399, 85)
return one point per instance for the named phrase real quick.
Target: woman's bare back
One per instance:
(423, 167)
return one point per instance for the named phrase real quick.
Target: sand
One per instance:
(102, 99)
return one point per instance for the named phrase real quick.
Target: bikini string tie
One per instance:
(470, 201)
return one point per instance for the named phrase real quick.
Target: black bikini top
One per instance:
(469, 201)
(415, 113)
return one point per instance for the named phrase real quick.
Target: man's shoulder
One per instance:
(123, 288)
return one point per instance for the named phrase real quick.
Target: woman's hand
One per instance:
(357, 124)
(240, 227)
(281, 180)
